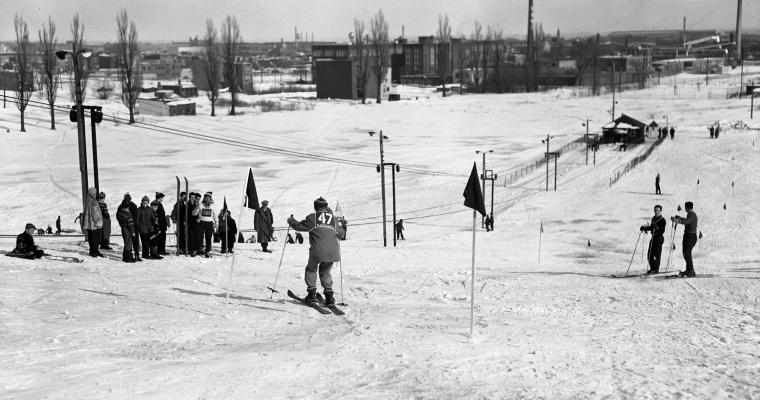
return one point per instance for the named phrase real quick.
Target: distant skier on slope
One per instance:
(672, 132)
(689, 237)
(657, 184)
(657, 227)
(324, 249)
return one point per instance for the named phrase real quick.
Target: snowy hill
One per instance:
(561, 328)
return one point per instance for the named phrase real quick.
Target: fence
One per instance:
(537, 162)
(636, 161)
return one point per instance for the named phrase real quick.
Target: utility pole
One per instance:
(483, 179)
(489, 175)
(613, 89)
(596, 51)
(738, 35)
(381, 170)
(586, 141)
(529, 57)
(546, 156)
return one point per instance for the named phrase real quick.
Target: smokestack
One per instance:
(683, 42)
(739, 30)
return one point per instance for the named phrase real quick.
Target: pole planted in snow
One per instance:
(472, 283)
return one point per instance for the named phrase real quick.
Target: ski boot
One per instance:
(329, 299)
(311, 296)
(689, 273)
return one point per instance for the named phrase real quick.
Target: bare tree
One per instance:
(130, 73)
(476, 54)
(444, 49)
(486, 53)
(379, 31)
(362, 57)
(49, 78)
(77, 33)
(230, 44)
(24, 75)
(211, 44)
(498, 50)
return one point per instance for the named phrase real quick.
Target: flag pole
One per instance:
(472, 284)
(234, 255)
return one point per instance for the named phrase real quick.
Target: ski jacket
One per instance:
(93, 218)
(207, 214)
(24, 244)
(263, 220)
(179, 218)
(124, 214)
(657, 226)
(161, 216)
(145, 220)
(104, 209)
(690, 222)
(227, 227)
(324, 230)
(194, 215)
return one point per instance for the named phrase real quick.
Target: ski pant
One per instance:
(180, 227)
(689, 241)
(227, 243)
(655, 252)
(399, 234)
(161, 242)
(207, 231)
(657, 189)
(314, 268)
(149, 245)
(195, 242)
(128, 235)
(93, 239)
(106, 237)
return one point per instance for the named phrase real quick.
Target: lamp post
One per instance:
(483, 178)
(81, 139)
(752, 103)
(382, 183)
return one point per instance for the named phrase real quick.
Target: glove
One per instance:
(291, 220)
(643, 228)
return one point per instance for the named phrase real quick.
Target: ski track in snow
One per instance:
(561, 328)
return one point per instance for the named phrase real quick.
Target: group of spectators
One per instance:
(197, 220)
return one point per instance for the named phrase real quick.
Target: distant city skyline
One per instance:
(331, 20)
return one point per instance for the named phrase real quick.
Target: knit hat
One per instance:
(207, 194)
(320, 203)
(689, 205)
(102, 196)
(127, 196)
(159, 195)
(28, 226)
(145, 198)
(154, 203)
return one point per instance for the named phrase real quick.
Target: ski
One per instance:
(187, 219)
(177, 221)
(690, 277)
(333, 308)
(45, 256)
(312, 305)
(644, 275)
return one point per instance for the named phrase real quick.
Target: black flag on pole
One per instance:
(251, 198)
(473, 196)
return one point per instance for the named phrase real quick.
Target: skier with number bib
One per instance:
(324, 249)
(657, 227)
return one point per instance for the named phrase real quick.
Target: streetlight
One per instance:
(382, 183)
(483, 178)
(81, 139)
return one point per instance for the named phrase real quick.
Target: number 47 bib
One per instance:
(325, 219)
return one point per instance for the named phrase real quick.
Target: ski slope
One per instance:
(558, 328)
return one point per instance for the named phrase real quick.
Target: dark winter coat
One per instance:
(104, 209)
(228, 223)
(179, 218)
(161, 216)
(124, 214)
(657, 226)
(690, 222)
(24, 244)
(194, 216)
(324, 231)
(145, 220)
(262, 223)
(133, 210)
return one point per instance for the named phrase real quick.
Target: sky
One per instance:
(331, 20)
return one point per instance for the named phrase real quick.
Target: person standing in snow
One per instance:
(163, 225)
(92, 222)
(689, 237)
(712, 132)
(144, 225)
(657, 227)
(105, 240)
(58, 225)
(657, 184)
(324, 249)
(672, 132)
(400, 229)
(227, 231)
(208, 223)
(263, 221)
(193, 224)
(127, 225)
(180, 225)
(155, 236)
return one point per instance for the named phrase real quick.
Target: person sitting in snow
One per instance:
(324, 249)
(25, 247)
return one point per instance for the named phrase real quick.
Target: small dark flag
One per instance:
(732, 184)
(224, 207)
(700, 234)
(473, 196)
(589, 243)
(724, 206)
(542, 226)
(251, 198)
(679, 207)
(697, 181)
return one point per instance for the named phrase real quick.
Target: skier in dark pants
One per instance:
(324, 249)
(136, 236)
(208, 222)
(25, 247)
(657, 227)
(657, 185)
(193, 224)
(689, 237)
(163, 225)
(58, 225)
(400, 229)
(155, 236)
(712, 132)
(178, 217)
(144, 225)
(127, 225)
(263, 222)
(227, 231)
(105, 240)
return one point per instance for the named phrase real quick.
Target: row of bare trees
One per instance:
(221, 60)
(372, 52)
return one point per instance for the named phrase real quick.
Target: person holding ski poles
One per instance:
(689, 237)
(657, 227)
(324, 249)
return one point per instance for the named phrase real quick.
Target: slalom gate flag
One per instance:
(251, 198)
(224, 207)
(542, 226)
(473, 196)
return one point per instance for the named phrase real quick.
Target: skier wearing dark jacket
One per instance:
(178, 217)
(657, 227)
(227, 231)
(324, 248)
(163, 225)
(105, 240)
(263, 222)
(144, 225)
(127, 225)
(689, 237)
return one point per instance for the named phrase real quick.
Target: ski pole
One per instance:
(279, 265)
(672, 246)
(634, 253)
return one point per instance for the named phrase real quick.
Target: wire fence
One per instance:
(527, 168)
(636, 161)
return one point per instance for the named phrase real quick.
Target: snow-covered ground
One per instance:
(561, 328)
